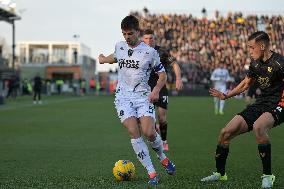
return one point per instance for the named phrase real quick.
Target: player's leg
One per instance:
(162, 106)
(234, 128)
(39, 97)
(222, 102)
(138, 144)
(34, 98)
(128, 117)
(146, 114)
(163, 126)
(221, 109)
(148, 130)
(216, 105)
(260, 129)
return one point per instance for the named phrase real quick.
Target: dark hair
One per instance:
(260, 36)
(148, 32)
(130, 22)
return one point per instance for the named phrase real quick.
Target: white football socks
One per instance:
(216, 104)
(222, 104)
(142, 152)
(157, 146)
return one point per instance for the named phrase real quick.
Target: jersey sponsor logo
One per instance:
(263, 82)
(269, 69)
(128, 63)
(121, 48)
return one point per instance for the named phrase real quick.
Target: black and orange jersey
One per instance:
(166, 59)
(269, 76)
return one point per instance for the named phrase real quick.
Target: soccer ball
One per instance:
(123, 170)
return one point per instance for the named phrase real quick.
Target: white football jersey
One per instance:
(220, 76)
(135, 66)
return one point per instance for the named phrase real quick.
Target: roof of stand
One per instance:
(8, 16)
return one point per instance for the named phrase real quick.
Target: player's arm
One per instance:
(160, 70)
(154, 95)
(161, 81)
(244, 85)
(107, 59)
(177, 71)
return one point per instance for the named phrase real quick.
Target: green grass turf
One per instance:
(73, 142)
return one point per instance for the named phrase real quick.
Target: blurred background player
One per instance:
(220, 76)
(37, 89)
(162, 104)
(134, 98)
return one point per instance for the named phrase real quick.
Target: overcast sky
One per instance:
(98, 21)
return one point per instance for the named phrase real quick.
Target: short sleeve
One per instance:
(158, 66)
(251, 72)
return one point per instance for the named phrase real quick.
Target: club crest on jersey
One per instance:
(128, 63)
(130, 52)
(269, 69)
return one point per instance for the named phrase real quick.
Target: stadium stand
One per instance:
(199, 44)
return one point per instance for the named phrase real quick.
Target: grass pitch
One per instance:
(73, 142)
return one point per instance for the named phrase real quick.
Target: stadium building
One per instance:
(53, 60)
(67, 60)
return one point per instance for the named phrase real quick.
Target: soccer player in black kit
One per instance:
(37, 89)
(267, 70)
(162, 104)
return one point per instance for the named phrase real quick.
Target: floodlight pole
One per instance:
(13, 45)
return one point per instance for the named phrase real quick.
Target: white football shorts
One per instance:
(135, 105)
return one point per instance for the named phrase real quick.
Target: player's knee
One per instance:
(260, 134)
(133, 134)
(258, 130)
(162, 120)
(225, 134)
(150, 136)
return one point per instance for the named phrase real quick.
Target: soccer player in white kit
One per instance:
(220, 76)
(134, 99)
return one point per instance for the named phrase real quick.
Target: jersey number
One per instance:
(151, 109)
(165, 99)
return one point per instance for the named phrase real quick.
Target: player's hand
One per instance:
(101, 58)
(153, 96)
(216, 93)
(179, 84)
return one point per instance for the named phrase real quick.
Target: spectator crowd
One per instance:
(200, 44)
